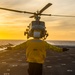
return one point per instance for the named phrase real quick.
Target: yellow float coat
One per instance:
(36, 50)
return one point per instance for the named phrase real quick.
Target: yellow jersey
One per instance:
(36, 50)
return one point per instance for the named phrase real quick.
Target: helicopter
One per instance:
(36, 25)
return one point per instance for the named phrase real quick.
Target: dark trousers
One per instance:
(35, 69)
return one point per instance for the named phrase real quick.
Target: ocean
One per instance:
(62, 43)
(3, 43)
(53, 42)
(14, 42)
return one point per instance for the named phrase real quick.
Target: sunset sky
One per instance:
(13, 25)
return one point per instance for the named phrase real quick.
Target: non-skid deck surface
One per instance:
(14, 63)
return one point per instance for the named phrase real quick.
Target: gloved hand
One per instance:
(65, 49)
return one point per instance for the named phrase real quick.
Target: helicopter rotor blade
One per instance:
(58, 15)
(45, 14)
(44, 8)
(49, 4)
(31, 16)
(16, 10)
(63, 15)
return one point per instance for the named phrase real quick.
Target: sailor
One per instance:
(36, 52)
